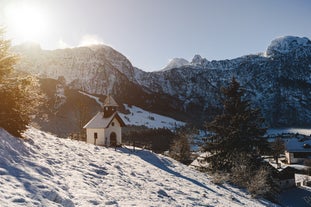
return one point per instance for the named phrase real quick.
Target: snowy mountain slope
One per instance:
(289, 44)
(141, 117)
(278, 80)
(49, 171)
(95, 69)
(97, 99)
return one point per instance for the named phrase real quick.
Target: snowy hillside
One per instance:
(49, 171)
(140, 117)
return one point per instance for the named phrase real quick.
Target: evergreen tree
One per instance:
(19, 93)
(238, 130)
(180, 148)
(7, 60)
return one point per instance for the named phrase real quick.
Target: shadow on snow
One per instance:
(162, 164)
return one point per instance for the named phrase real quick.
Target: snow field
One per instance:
(50, 171)
(140, 117)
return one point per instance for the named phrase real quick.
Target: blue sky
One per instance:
(150, 32)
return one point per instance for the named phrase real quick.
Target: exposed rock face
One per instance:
(289, 44)
(278, 80)
(98, 69)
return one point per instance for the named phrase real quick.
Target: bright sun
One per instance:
(26, 22)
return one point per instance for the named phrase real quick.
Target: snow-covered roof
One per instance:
(296, 145)
(99, 121)
(109, 101)
(302, 177)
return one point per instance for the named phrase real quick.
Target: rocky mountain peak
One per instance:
(176, 63)
(200, 62)
(197, 60)
(289, 44)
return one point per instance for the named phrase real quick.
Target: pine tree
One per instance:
(180, 148)
(238, 130)
(7, 60)
(19, 93)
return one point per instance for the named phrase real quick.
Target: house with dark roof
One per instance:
(283, 176)
(286, 177)
(297, 150)
(105, 128)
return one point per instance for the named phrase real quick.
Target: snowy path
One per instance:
(49, 171)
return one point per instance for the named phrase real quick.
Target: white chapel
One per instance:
(105, 128)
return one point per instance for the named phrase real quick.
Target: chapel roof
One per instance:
(99, 121)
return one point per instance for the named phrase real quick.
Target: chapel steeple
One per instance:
(110, 106)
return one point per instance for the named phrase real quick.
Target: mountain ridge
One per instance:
(277, 83)
(278, 80)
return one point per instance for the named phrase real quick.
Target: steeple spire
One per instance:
(110, 106)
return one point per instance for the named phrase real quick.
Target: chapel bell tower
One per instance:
(110, 106)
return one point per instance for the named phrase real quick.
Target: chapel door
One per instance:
(113, 139)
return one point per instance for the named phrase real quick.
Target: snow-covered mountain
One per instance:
(289, 44)
(95, 69)
(277, 80)
(176, 63)
(44, 170)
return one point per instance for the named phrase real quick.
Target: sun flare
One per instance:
(26, 22)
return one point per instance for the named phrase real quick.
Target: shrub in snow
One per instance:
(180, 148)
(258, 185)
(220, 178)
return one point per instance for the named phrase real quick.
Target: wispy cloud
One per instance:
(85, 40)
(89, 39)
(61, 44)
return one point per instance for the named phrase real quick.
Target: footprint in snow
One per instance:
(100, 172)
(108, 203)
(94, 202)
(19, 200)
(162, 193)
